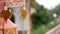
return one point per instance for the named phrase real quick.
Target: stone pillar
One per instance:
(16, 11)
(21, 24)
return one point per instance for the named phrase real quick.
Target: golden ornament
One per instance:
(24, 13)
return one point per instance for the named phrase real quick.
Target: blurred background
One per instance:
(47, 16)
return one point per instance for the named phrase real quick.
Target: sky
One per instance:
(48, 3)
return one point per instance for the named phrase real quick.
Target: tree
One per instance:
(43, 15)
(57, 9)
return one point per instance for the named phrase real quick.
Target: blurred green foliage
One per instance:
(57, 9)
(43, 15)
(44, 28)
(43, 20)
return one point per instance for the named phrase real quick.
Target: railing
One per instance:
(55, 30)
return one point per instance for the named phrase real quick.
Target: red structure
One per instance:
(6, 27)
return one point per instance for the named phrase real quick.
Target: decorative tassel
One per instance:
(24, 13)
(6, 14)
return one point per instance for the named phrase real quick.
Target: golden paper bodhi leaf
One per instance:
(24, 13)
(6, 14)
